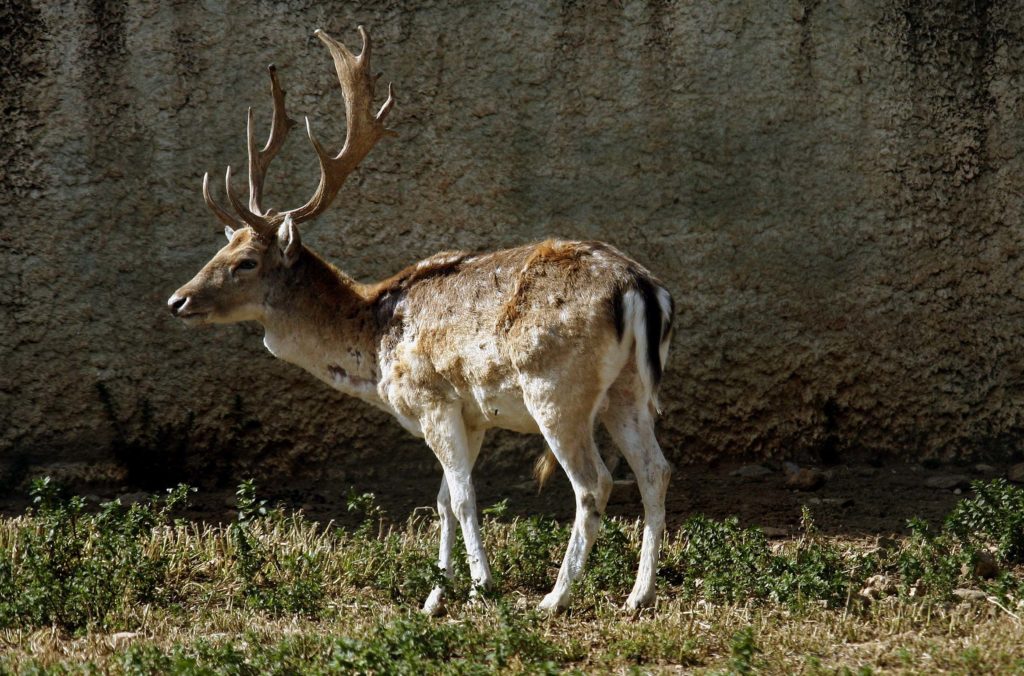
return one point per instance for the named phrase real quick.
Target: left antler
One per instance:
(363, 130)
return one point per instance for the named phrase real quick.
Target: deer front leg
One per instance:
(435, 602)
(456, 449)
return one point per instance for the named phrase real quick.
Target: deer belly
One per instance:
(505, 410)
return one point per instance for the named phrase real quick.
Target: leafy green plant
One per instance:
(612, 564)
(528, 555)
(273, 579)
(929, 563)
(74, 569)
(744, 651)
(993, 516)
(721, 561)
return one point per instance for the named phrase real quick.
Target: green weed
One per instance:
(275, 579)
(994, 516)
(73, 569)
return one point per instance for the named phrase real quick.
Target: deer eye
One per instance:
(247, 264)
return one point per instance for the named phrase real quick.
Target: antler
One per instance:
(363, 131)
(259, 160)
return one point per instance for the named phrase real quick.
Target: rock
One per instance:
(832, 502)
(867, 471)
(984, 565)
(133, 498)
(948, 481)
(624, 492)
(751, 472)
(805, 480)
(773, 533)
(877, 586)
(790, 467)
(1016, 473)
(970, 594)
(984, 469)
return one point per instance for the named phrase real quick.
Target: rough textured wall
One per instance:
(832, 190)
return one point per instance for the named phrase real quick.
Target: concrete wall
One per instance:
(833, 190)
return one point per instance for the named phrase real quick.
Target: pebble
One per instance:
(832, 502)
(876, 587)
(970, 594)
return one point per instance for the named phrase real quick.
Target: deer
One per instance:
(547, 338)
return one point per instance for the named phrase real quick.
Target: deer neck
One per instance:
(318, 318)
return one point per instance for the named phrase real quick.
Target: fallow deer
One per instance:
(543, 338)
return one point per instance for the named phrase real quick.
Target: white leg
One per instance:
(456, 449)
(631, 427)
(434, 604)
(591, 482)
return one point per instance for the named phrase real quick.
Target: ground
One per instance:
(855, 499)
(277, 592)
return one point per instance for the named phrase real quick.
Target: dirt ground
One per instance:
(857, 499)
(854, 500)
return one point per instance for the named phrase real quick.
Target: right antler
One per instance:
(363, 131)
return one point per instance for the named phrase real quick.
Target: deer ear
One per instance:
(288, 240)
(229, 232)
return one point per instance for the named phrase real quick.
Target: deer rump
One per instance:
(483, 329)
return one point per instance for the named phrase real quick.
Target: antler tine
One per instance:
(221, 213)
(363, 128)
(260, 224)
(259, 160)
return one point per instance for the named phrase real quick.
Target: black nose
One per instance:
(176, 304)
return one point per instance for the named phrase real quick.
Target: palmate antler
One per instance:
(363, 130)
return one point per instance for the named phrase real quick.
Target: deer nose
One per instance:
(175, 303)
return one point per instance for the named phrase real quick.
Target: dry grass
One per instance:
(317, 599)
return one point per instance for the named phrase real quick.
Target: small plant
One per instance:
(74, 569)
(744, 652)
(528, 555)
(721, 561)
(273, 579)
(994, 516)
(612, 564)
(929, 563)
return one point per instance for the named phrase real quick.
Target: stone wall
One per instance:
(833, 191)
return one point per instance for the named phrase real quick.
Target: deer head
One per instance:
(264, 245)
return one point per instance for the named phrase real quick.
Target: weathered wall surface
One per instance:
(833, 191)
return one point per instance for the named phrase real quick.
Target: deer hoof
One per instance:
(637, 601)
(552, 603)
(434, 605)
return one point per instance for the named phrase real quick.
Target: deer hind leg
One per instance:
(569, 431)
(630, 424)
(434, 604)
(456, 449)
